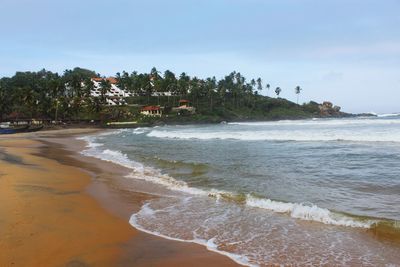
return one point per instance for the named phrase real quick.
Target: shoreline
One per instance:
(97, 183)
(52, 168)
(102, 126)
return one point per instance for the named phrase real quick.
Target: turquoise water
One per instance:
(286, 192)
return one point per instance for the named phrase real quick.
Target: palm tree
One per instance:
(29, 99)
(278, 90)
(169, 84)
(183, 84)
(267, 86)
(259, 85)
(253, 84)
(105, 87)
(156, 81)
(237, 88)
(88, 88)
(195, 90)
(124, 81)
(135, 83)
(211, 84)
(297, 91)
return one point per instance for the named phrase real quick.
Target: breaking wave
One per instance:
(313, 130)
(308, 212)
(278, 135)
(295, 210)
(388, 115)
(326, 122)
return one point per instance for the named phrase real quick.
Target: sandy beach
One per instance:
(59, 208)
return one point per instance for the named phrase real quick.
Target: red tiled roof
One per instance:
(150, 108)
(110, 79)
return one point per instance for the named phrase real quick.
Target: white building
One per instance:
(115, 97)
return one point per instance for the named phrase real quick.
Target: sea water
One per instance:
(304, 192)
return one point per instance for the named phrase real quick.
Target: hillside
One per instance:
(82, 95)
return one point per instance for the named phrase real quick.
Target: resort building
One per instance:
(151, 111)
(161, 94)
(115, 96)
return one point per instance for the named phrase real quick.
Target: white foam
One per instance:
(140, 130)
(306, 212)
(295, 210)
(279, 135)
(140, 172)
(352, 130)
(388, 115)
(93, 150)
(326, 122)
(261, 239)
(209, 244)
(154, 176)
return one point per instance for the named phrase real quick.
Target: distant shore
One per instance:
(190, 120)
(59, 208)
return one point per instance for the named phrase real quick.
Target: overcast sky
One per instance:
(345, 51)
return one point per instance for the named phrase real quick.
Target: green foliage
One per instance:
(311, 107)
(68, 97)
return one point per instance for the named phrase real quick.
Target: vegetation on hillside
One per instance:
(45, 94)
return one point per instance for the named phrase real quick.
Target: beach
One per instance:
(59, 208)
(212, 194)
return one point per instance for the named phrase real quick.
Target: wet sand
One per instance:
(58, 208)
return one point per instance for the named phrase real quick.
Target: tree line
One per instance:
(48, 94)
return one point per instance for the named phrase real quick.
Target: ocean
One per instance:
(302, 192)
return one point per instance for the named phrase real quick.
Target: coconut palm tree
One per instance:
(105, 87)
(88, 87)
(297, 90)
(278, 90)
(253, 84)
(259, 85)
(267, 86)
(183, 84)
(211, 84)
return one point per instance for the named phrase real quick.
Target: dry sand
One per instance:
(58, 208)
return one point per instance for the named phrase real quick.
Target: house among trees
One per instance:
(183, 103)
(184, 107)
(151, 111)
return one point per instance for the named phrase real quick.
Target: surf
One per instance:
(300, 211)
(227, 187)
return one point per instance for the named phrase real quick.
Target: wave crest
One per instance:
(278, 135)
(307, 212)
(296, 210)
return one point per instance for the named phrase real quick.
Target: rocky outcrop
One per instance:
(327, 109)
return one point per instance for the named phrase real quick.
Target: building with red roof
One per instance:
(151, 111)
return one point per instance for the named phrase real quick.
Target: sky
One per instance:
(344, 51)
